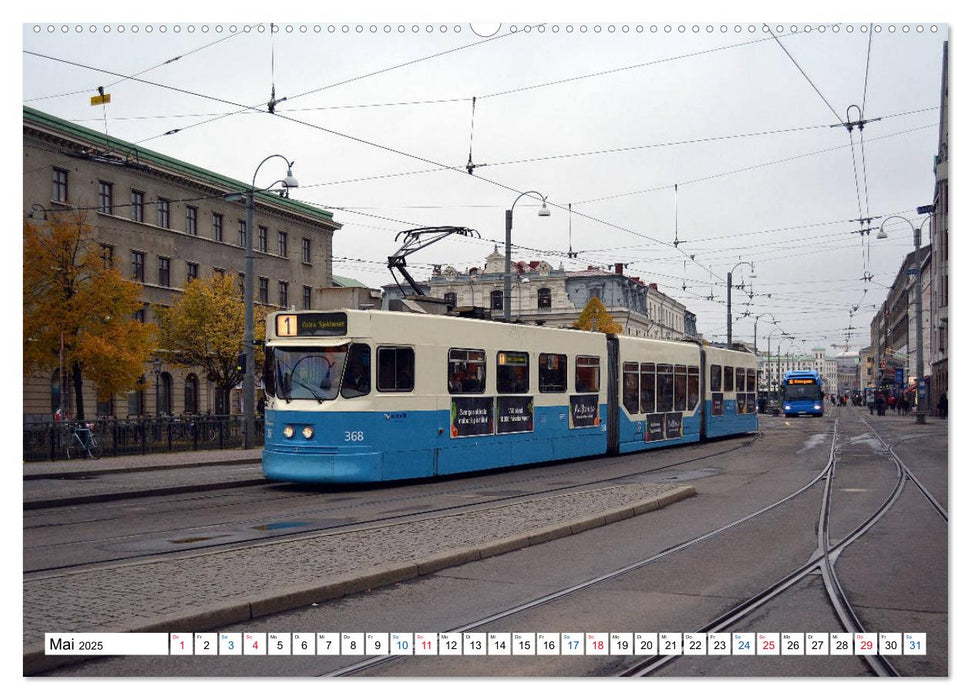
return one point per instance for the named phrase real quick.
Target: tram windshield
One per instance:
(803, 392)
(308, 373)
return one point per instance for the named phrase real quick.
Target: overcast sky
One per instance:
(718, 136)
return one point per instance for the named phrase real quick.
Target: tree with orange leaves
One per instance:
(73, 296)
(595, 317)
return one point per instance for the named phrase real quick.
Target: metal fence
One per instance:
(139, 436)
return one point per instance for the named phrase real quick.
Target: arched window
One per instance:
(164, 396)
(136, 399)
(192, 394)
(544, 298)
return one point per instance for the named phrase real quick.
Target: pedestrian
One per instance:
(942, 405)
(891, 402)
(905, 405)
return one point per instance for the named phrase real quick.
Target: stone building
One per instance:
(544, 295)
(164, 222)
(775, 366)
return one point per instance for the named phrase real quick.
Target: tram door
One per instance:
(613, 392)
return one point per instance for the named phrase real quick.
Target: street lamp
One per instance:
(507, 281)
(729, 315)
(919, 304)
(249, 384)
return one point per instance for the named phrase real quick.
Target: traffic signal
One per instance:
(241, 363)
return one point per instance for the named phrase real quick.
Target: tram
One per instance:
(370, 396)
(802, 392)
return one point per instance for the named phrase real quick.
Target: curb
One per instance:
(230, 613)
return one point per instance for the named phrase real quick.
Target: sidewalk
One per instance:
(76, 481)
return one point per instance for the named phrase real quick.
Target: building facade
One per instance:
(544, 295)
(164, 222)
(935, 363)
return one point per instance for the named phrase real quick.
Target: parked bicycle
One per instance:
(83, 442)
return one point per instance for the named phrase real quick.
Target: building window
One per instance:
(56, 391)
(242, 286)
(105, 408)
(544, 298)
(307, 297)
(191, 271)
(451, 299)
(191, 394)
(284, 294)
(219, 271)
(191, 217)
(264, 290)
(242, 233)
(137, 206)
(107, 256)
(105, 197)
(282, 243)
(217, 227)
(261, 239)
(139, 315)
(136, 399)
(164, 389)
(495, 300)
(164, 267)
(163, 213)
(59, 185)
(305, 250)
(138, 266)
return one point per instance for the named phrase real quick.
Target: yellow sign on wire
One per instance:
(100, 99)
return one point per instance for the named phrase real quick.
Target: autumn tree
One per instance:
(596, 318)
(204, 328)
(72, 296)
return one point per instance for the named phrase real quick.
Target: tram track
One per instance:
(821, 563)
(537, 475)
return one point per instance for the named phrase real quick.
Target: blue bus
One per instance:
(802, 392)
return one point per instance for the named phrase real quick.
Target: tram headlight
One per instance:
(288, 431)
(816, 407)
(787, 407)
(307, 432)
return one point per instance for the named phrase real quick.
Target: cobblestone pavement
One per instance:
(212, 589)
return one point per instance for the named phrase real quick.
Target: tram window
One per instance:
(694, 387)
(588, 374)
(631, 387)
(729, 378)
(680, 387)
(512, 372)
(739, 379)
(716, 378)
(466, 371)
(752, 386)
(665, 388)
(648, 374)
(552, 373)
(396, 369)
(357, 372)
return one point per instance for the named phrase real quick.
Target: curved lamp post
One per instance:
(507, 278)
(919, 309)
(729, 297)
(249, 384)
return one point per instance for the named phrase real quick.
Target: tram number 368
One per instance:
(354, 436)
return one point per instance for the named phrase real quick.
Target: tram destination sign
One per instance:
(315, 324)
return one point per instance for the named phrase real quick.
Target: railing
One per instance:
(139, 436)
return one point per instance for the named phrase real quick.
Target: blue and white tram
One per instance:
(359, 396)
